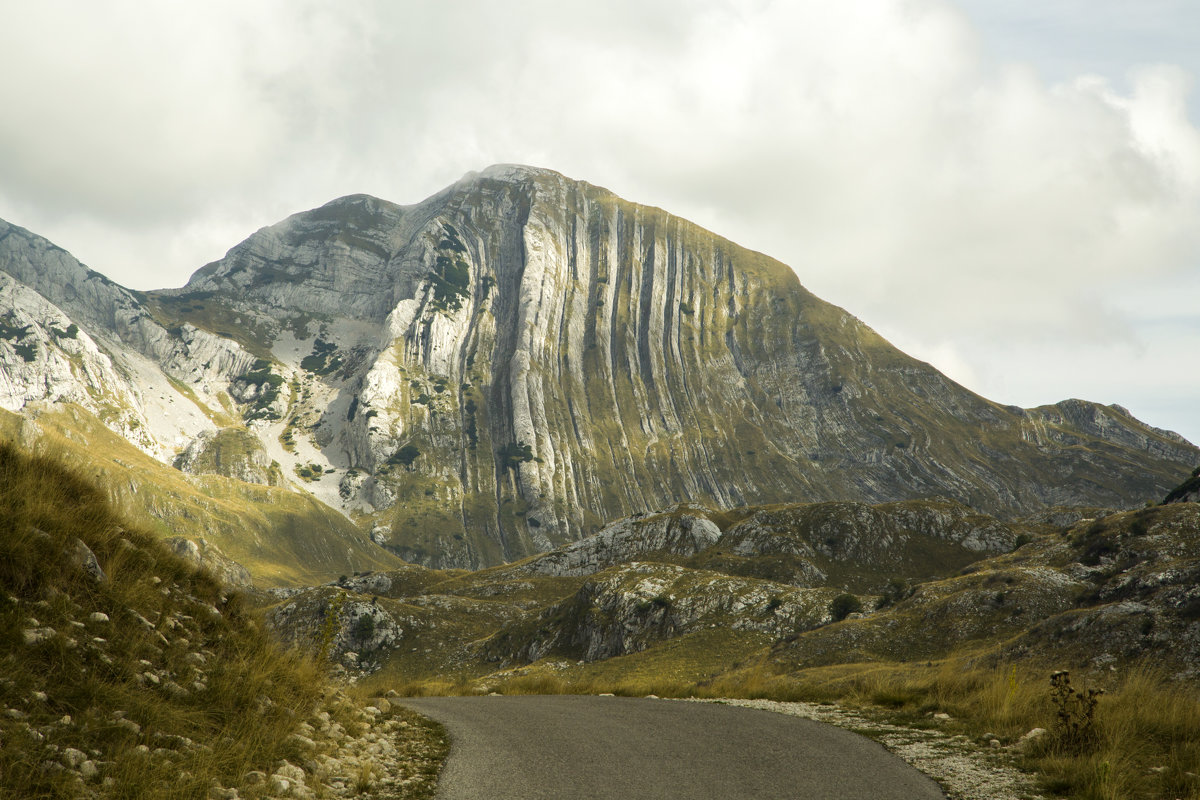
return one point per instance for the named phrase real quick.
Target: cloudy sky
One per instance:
(1009, 189)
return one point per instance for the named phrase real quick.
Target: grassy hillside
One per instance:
(126, 673)
(880, 607)
(282, 537)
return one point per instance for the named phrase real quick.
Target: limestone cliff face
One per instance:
(109, 311)
(507, 365)
(70, 335)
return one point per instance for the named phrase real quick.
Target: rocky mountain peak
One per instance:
(504, 367)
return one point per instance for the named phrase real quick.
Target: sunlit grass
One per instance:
(222, 699)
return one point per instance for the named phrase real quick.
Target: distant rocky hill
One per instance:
(689, 594)
(505, 367)
(1186, 492)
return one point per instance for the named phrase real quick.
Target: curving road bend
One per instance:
(564, 747)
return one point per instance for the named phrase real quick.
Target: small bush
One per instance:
(896, 590)
(364, 628)
(405, 456)
(514, 454)
(843, 606)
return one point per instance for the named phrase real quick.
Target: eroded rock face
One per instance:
(684, 532)
(522, 357)
(232, 452)
(510, 364)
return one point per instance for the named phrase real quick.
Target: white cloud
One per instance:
(974, 211)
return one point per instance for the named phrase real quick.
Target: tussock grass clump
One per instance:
(125, 672)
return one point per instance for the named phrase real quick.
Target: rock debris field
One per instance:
(965, 770)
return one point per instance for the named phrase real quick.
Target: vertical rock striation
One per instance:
(506, 366)
(524, 356)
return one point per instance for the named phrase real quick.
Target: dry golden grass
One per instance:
(239, 707)
(1147, 742)
(1147, 727)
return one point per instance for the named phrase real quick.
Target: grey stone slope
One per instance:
(523, 356)
(504, 367)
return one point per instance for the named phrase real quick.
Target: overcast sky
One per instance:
(1009, 189)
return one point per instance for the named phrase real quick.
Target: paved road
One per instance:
(596, 748)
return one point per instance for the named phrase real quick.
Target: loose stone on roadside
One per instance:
(965, 770)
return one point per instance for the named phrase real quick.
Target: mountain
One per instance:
(96, 379)
(506, 366)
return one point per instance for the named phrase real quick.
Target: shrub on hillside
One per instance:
(843, 606)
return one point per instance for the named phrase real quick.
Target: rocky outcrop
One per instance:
(1111, 591)
(629, 608)
(684, 531)
(850, 545)
(232, 452)
(350, 631)
(894, 537)
(202, 554)
(522, 357)
(505, 367)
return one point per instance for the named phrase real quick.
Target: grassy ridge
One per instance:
(174, 663)
(282, 537)
(126, 673)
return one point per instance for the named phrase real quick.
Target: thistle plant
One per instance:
(1075, 725)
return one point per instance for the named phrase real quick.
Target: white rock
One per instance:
(32, 636)
(129, 725)
(86, 560)
(1031, 738)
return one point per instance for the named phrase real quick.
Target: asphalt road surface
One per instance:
(595, 748)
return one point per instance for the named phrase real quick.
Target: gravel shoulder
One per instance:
(964, 769)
